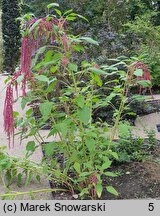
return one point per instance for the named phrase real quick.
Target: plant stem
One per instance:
(3, 182)
(121, 108)
(36, 191)
(117, 119)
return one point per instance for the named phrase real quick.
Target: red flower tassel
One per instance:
(8, 114)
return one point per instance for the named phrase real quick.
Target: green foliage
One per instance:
(31, 6)
(146, 40)
(12, 168)
(68, 93)
(106, 20)
(152, 141)
(133, 149)
(11, 34)
(103, 25)
(23, 171)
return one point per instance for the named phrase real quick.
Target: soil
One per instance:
(136, 180)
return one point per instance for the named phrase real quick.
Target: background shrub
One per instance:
(11, 34)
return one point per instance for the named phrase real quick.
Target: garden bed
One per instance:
(135, 180)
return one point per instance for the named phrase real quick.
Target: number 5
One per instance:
(151, 207)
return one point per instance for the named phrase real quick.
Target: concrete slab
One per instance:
(147, 122)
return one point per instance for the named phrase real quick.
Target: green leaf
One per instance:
(138, 72)
(73, 14)
(84, 174)
(77, 167)
(84, 115)
(68, 12)
(28, 179)
(52, 132)
(82, 17)
(124, 129)
(91, 143)
(52, 5)
(20, 78)
(97, 79)
(48, 56)
(74, 39)
(58, 12)
(45, 109)
(42, 78)
(144, 83)
(138, 97)
(110, 97)
(34, 25)
(49, 148)
(84, 192)
(110, 174)
(39, 51)
(15, 114)
(53, 69)
(51, 86)
(8, 79)
(38, 178)
(71, 18)
(9, 176)
(115, 155)
(111, 190)
(19, 179)
(80, 101)
(57, 173)
(97, 71)
(31, 146)
(89, 40)
(28, 16)
(106, 165)
(45, 169)
(73, 67)
(62, 128)
(50, 59)
(78, 48)
(99, 189)
(29, 112)
(24, 101)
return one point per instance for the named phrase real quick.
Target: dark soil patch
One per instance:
(136, 180)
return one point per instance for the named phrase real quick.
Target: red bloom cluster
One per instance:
(93, 180)
(34, 38)
(146, 74)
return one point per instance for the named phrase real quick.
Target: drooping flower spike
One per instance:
(38, 32)
(145, 75)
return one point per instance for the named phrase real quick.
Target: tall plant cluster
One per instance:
(66, 92)
(11, 34)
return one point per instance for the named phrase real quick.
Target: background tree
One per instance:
(11, 34)
(104, 23)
